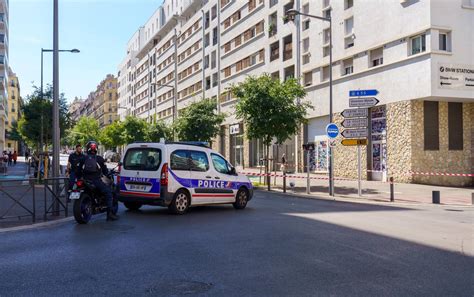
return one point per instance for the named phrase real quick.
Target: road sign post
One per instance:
(358, 172)
(309, 148)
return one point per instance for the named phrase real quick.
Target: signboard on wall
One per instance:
(234, 129)
(456, 76)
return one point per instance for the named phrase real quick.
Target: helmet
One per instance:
(91, 147)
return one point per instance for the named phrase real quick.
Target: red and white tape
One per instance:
(290, 176)
(441, 174)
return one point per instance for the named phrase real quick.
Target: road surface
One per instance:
(278, 246)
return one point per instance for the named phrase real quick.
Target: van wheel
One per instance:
(132, 205)
(241, 199)
(180, 203)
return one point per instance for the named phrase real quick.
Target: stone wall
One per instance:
(442, 160)
(399, 138)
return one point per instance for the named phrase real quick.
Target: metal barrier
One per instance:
(16, 190)
(57, 187)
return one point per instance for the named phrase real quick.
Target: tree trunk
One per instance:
(267, 175)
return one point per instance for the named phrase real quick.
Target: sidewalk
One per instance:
(371, 190)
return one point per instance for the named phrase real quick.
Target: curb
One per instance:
(361, 200)
(36, 226)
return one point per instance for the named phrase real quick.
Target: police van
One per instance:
(179, 175)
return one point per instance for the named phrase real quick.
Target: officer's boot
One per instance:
(111, 216)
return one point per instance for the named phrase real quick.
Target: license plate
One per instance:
(137, 187)
(75, 195)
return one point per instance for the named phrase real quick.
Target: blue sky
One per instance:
(99, 28)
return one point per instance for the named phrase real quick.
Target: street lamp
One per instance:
(74, 51)
(291, 14)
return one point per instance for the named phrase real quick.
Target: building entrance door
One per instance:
(378, 144)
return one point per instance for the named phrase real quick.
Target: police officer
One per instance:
(72, 163)
(91, 168)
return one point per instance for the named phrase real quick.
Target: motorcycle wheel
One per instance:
(83, 209)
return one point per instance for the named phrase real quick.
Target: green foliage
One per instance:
(86, 129)
(37, 118)
(111, 135)
(134, 129)
(158, 130)
(199, 121)
(269, 107)
(15, 132)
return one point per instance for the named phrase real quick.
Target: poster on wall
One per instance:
(319, 160)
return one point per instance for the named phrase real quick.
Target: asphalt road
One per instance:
(278, 246)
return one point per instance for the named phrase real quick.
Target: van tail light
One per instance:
(164, 175)
(119, 168)
(80, 183)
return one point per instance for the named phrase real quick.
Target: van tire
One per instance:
(241, 199)
(132, 205)
(180, 203)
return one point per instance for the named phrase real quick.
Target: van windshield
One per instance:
(146, 159)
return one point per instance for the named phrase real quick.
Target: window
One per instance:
(272, 24)
(273, 2)
(206, 40)
(199, 161)
(306, 25)
(146, 159)
(305, 45)
(349, 25)
(347, 66)
(206, 20)
(208, 83)
(324, 73)
(179, 160)
(418, 44)
(287, 48)
(376, 57)
(214, 79)
(431, 125)
(206, 62)
(445, 41)
(213, 60)
(306, 58)
(348, 4)
(455, 126)
(214, 12)
(214, 36)
(326, 51)
(306, 8)
(308, 78)
(220, 164)
(327, 13)
(326, 35)
(289, 72)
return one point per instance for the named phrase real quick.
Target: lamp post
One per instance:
(291, 16)
(75, 51)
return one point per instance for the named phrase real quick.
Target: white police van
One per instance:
(179, 175)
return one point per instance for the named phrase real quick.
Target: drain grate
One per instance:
(179, 288)
(460, 210)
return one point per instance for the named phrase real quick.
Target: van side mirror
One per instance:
(232, 171)
(119, 163)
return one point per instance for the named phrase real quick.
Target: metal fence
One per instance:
(29, 200)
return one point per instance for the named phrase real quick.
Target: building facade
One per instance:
(3, 70)
(14, 104)
(101, 104)
(420, 62)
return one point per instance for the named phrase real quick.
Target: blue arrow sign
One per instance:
(360, 93)
(332, 130)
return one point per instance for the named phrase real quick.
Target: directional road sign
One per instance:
(363, 102)
(355, 113)
(355, 133)
(332, 130)
(355, 123)
(361, 93)
(353, 142)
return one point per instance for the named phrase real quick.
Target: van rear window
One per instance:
(145, 159)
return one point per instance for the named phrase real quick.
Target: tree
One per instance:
(112, 135)
(269, 108)
(86, 129)
(199, 121)
(157, 131)
(36, 123)
(134, 129)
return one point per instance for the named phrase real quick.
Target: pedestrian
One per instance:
(15, 157)
(72, 163)
(27, 155)
(283, 163)
(10, 158)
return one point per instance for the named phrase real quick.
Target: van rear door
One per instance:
(140, 174)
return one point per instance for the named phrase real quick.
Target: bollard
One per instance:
(284, 183)
(472, 199)
(392, 192)
(436, 197)
(268, 181)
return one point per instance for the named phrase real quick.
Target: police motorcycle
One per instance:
(88, 200)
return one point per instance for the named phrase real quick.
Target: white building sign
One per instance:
(456, 76)
(234, 129)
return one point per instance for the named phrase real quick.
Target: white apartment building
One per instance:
(3, 70)
(417, 54)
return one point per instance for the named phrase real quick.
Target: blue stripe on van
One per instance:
(213, 184)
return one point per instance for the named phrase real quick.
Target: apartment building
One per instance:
(3, 70)
(14, 104)
(100, 104)
(416, 54)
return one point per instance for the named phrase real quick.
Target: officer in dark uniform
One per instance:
(91, 168)
(72, 163)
